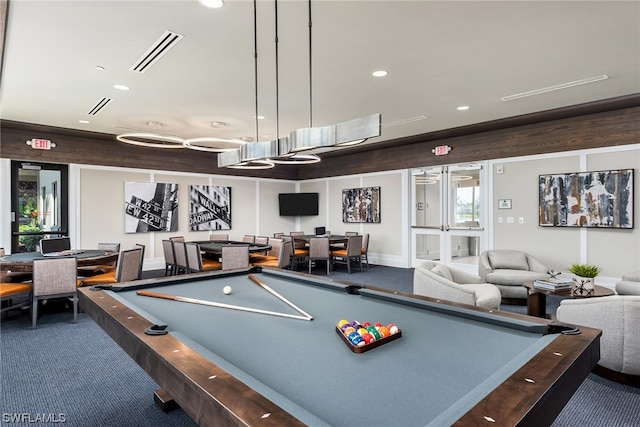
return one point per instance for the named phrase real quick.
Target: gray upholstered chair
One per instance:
(54, 278)
(319, 251)
(127, 269)
(439, 281)
(353, 252)
(196, 263)
(508, 270)
(618, 316)
(169, 258)
(629, 285)
(180, 256)
(235, 256)
(282, 260)
(219, 237)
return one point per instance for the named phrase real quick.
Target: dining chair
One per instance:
(300, 248)
(235, 256)
(353, 252)
(261, 240)
(177, 238)
(180, 254)
(282, 261)
(103, 268)
(319, 250)
(14, 295)
(219, 237)
(364, 252)
(270, 255)
(127, 269)
(248, 238)
(54, 278)
(169, 258)
(195, 261)
(142, 248)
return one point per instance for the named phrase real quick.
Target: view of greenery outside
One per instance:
(28, 217)
(467, 204)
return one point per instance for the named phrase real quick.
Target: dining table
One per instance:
(23, 261)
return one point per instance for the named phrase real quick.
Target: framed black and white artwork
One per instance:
(150, 206)
(209, 207)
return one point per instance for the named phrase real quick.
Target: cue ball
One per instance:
(226, 290)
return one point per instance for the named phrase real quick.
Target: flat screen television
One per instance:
(294, 204)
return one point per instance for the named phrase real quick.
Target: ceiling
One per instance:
(439, 55)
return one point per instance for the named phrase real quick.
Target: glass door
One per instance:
(39, 207)
(447, 216)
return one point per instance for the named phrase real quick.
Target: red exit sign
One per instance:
(41, 144)
(441, 150)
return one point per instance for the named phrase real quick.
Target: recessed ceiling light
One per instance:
(218, 124)
(214, 4)
(99, 67)
(379, 73)
(121, 87)
(247, 138)
(84, 121)
(259, 117)
(463, 108)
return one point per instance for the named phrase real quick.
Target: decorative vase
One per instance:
(583, 285)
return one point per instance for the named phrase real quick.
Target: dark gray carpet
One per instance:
(76, 373)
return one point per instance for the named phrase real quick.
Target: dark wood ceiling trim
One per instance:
(605, 124)
(599, 124)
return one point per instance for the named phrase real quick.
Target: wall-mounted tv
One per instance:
(294, 204)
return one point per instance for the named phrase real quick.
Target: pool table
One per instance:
(452, 365)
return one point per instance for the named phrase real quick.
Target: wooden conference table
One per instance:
(23, 261)
(453, 364)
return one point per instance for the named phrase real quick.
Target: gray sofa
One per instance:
(629, 285)
(508, 270)
(441, 282)
(618, 316)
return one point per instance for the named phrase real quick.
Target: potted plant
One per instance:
(585, 274)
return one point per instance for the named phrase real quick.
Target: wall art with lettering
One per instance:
(209, 207)
(150, 206)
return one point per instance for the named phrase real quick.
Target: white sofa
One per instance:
(629, 285)
(618, 316)
(508, 270)
(439, 281)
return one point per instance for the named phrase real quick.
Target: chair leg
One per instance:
(309, 265)
(360, 259)
(75, 309)
(34, 313)
(328, 265)
(349, 265)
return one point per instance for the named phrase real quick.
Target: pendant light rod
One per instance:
(310, 72)
(277, 80)
(255, 59)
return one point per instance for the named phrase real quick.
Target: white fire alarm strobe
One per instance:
(41, 144)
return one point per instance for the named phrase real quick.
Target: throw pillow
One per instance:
(509, 260)
(442, 271)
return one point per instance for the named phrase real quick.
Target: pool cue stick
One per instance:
(216, 304)
(268, 289)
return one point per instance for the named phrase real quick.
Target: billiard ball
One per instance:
(226, 290)
(393, 329)
(384, 331)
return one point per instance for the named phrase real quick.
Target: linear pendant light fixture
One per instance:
(296, 148)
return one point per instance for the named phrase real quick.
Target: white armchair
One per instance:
(508, 270)
(629, 285)
(438, 281)
(618, 316)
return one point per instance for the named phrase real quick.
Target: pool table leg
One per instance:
(164, 401)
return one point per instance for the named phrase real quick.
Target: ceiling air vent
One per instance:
(156, 51)
(99, 106)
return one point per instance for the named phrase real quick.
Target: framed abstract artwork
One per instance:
(600, 199)
(150, 206)
(361, 204)
(209, 207)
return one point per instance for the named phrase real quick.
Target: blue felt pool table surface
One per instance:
(448, 359)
